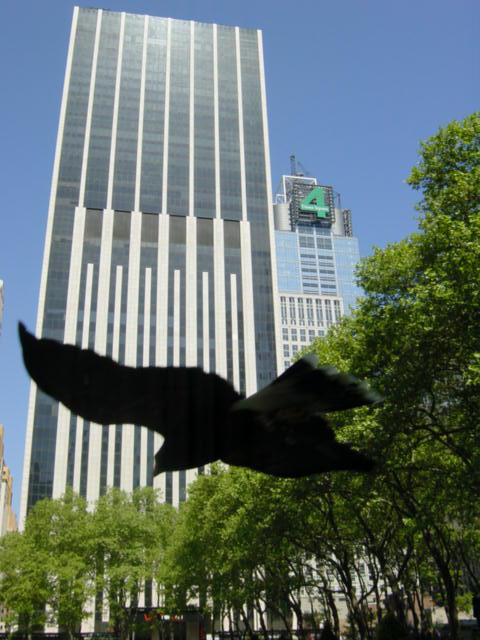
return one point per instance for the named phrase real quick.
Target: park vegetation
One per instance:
(245, 542)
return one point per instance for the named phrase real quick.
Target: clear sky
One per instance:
(352, 87)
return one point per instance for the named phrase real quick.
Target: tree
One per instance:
(46, 570)
(415, 337)
(23, 582)
(129, 532)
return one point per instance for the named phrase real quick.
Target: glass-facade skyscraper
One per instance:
(159, 232)
(316, 256)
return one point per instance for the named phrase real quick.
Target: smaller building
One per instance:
(316, 259)
(8, 520)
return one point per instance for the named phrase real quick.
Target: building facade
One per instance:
(159, 232)
(8, 520)
(316, 258)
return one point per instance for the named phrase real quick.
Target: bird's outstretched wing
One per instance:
(186, 405)
(311, 388)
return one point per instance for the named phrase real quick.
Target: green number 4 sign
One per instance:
(315, 202)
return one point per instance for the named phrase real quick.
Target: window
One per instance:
(328, 312)
(303, 336)
(283, 307)
(318, 309)
(310, 320)
(301, 313)
(293, 318)
(336, 309)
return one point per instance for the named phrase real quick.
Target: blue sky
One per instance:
(352, 87)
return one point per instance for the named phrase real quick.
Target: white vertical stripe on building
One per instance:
(216, 123)
(70, 334)
(131, 337)
(146, 362)
(101, 323)
(77, 469)
(191, 163)
(248, 314)
(117, 310)
(46, 258)
(138, 175)
(77, 464)
(219, 298)
(115, 354)
(240, 126)
(176, 318)
(166, 122)
(88, 123)
(234, 336)
(206, 322)
(162, 292)
(146, 316)
(113, 146)
(61, 452)
(161, 332)
(191, 292)
(101, 331)
(176, 361)
(271, 230)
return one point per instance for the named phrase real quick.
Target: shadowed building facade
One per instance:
(159, 232)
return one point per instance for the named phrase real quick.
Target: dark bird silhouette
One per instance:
(281, 430)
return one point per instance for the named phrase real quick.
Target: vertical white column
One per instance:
(77, 468)
(70, 334)
(216, 123)
(206, 322)
(166, 122)
(240, 126)
(146, 363)
(176, 318)
(87, 307)
(161, 333)
(131, 337)
(113, 146)
(176, 361)
(219, 298)
(101, 330)
(115, 354)
(191, 292)
(271, 229)
(234, 321)
(191, 152)
(141, 110)
(248, 315)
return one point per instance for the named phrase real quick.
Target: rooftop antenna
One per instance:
(293, 165)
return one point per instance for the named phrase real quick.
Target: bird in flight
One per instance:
(280, 430)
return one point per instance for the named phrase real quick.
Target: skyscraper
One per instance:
(159, 233)
(316, 256)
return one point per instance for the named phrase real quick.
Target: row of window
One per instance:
(312, 313)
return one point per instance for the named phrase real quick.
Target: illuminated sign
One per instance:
(314, 202)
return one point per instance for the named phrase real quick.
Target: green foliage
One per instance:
(390, 628)
(67, 555)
